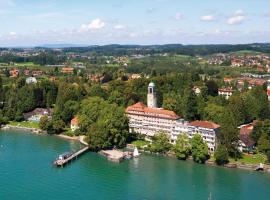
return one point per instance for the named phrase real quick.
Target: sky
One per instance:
(100, 22)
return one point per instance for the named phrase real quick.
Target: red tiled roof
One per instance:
(155, 112)
(74, 121)
(67, 69)
(225, 90)
(204, 124)
(245, 132)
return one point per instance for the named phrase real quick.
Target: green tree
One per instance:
(106, 125)
(43, 123)
(160, 143)
(199, 149)
(264, 143)
(212, 88)
(96, 90)
(182, 147)
(213, 112)
(221, 155)
(190, 105)
(228, 135)
(58, 125)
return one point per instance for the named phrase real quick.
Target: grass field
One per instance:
(28, 64)
(250, 159)
(24, 124)
(140, 143)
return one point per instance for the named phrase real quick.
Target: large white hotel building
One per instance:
(149, 120)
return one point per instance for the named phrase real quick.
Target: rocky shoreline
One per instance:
(22, 128)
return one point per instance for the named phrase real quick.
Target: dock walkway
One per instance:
(63, 162)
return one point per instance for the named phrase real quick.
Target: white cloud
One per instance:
(119, 26)
(239, 12)
(94, 25)
(13, 34)
(207, 18)
(178, 16)
(237, 18)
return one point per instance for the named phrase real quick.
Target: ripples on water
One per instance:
(26, 172)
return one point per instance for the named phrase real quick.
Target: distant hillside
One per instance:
(191, 50)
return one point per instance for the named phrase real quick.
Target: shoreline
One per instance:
(41, 132)
(80, 139)
(242, 166)
(23, 128)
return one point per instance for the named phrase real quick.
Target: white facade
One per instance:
(31, 80)
(268, 89)
(150, 121)
(225, 92)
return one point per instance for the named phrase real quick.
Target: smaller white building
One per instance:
(31, 80)
(226, 92)
(268, 89)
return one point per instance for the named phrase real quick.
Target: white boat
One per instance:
(136, 152)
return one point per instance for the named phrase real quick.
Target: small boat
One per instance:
(64, 156)
(136, 152)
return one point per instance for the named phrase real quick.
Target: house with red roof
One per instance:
(67, 70)
(74, 124)
(226, 92)
(246, 143)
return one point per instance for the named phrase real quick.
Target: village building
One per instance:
(74, 124)
(226, 92)
(35, 115)
(14, 73)
(197, 90)
(31, 80)
(135, 76)
(26, 72)
(268, 90)
(237, 63)
(37, 73)
(67, 70)
(228, 80)
(246, 143)
(150, 120)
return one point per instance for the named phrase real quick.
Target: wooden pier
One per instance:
(63, 162)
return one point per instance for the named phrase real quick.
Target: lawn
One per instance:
(24, 124)
(28, 64)
(250, 159)
(140, 143)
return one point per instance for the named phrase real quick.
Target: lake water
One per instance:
(27, 173)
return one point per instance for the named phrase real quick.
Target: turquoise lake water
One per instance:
(27, 173)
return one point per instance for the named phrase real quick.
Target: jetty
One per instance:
(116, 155)
(68, 157)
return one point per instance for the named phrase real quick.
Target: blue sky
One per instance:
(89, 22)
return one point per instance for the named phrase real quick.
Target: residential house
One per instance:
(226, 92)
(31, 80)
(36, 114)
(67, 70)
(14, 73)
(246, 143)
(74, 124)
